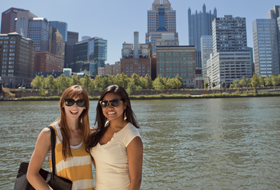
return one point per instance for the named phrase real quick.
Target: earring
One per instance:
(124, 116)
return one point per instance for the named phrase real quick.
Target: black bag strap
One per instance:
(53, 140)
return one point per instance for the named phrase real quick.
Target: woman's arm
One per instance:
(135, 161)
(37, 159)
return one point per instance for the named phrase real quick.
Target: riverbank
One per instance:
(159, 96)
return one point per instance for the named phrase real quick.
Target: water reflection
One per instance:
(188, 144)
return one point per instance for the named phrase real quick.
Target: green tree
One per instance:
(131, 89)
(235, 83)
(178, 82)
(213, 84)
(223, 84)
(261, 80)
(85, 81)
(122, 80)
(136, 79)
(149, 82)
(170, 83)
(36, 82)
(206, 85)
(255, 81)
(159, 83)
(267, 80)
(43, 81)
(75, 80)
(63, 82)
(274, 80)
(91, 87)
(50, 83)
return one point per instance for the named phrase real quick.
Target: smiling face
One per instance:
(74, 111)
(111, 112)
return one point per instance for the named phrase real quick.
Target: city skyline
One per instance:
(117, 20)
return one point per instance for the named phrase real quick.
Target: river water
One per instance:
(231, 143)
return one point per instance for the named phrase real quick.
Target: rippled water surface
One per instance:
(188, 144)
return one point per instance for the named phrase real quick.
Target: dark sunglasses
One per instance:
(71, 102)
(114, 103)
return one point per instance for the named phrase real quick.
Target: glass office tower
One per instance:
(62, 28)
(38, 31)
(266, 52)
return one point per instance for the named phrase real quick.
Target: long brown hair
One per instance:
(100, 119)
(83, 123)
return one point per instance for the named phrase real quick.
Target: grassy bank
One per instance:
(160, 96)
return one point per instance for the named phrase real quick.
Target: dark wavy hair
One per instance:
(100, 119)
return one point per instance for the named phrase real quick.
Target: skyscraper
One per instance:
(231, 58)
(199, 24)
(17, 60)
(72, 39)
(161, 19)
(62, 28)
(22, 22)
(206, 50)
(92, 51)
(9, 16)
(38, 31)
(266, 43)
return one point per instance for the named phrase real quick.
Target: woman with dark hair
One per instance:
(72, 132)
(116, 146)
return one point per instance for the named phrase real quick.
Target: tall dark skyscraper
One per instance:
(161, 20)
(199, 24)
(72, 39)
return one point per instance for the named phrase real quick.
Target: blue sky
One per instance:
(117, 20)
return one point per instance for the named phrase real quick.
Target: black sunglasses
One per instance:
(114, 103)
(71, 102)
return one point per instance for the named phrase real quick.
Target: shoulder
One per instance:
(132, 129)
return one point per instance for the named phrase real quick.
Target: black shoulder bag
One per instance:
(54, 181)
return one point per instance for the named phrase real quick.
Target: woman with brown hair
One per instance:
(72, 131)
(116, 145)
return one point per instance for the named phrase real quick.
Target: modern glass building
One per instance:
(22, 22)
(38, 31)
(161, 19)
(93, 51)
(199, 24)
(266, 50)
(206, 50)
(62, 28)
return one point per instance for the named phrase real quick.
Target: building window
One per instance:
(4, 71)
(11, 71)
(4, 62)
(13, 42)
(6, 42)
(12, 50)
(139, 70)
(148, 71)
(131, 69)
(189, 54)
(12, 54)
(11, 62)
(135, 62)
